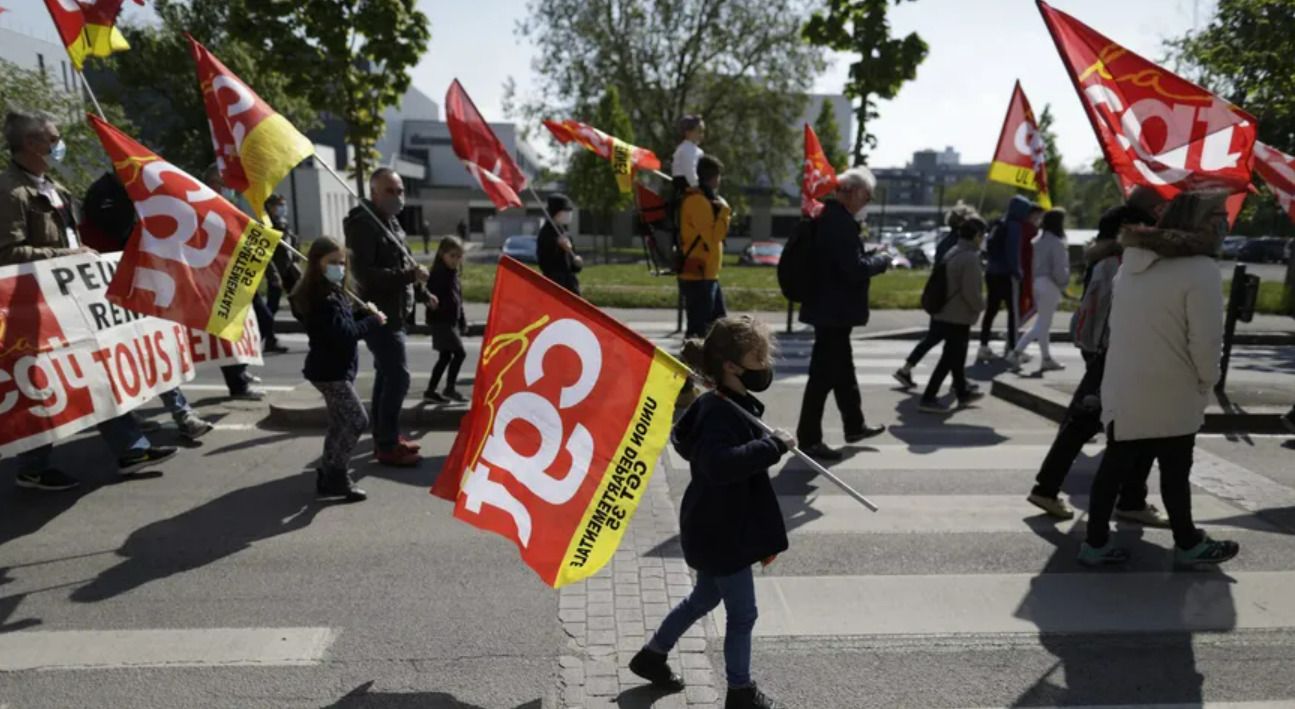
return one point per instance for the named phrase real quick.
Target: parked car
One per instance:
(1264, 249)
(522, 248)
(1232, 247)
(761, 253)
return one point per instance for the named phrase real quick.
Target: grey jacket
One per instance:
(962, 268)
(1089, 325)
(31, 228)
(1051, 260)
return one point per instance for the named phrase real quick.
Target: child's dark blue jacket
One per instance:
(334, 334)
(730, 517)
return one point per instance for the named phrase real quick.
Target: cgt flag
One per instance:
(1021, 157)
(1155, 128)
(1278, 170)
(820, 177)
(568, 418)
(480, 151)
(193, 258)
(88, 28)
(625, 158)
(255, 147)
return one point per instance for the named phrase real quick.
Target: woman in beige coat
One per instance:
(1166, 335)
(961, 310)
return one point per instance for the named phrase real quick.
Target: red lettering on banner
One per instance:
(159, 346)
(197, 338)
(130, 385)
(102, 356)
(147, 364)
(183, 343)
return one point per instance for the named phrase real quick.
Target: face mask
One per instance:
(757, 379)
(335, 273)
(862, 214)
(280, 212)
(59, 151)
(392, 206)
(563, 218)
(229, 194)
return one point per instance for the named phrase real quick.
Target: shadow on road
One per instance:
(362, 698)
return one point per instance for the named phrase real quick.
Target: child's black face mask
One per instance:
(757, 379)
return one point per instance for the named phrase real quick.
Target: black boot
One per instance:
(749, 698)
(652, 666)
(338, 483)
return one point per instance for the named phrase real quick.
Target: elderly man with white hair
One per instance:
(836, 304)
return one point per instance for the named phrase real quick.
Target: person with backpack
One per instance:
(955, 302)
(704, 221)
(1004, 273)
(835, 302)
(1051, 276)
(934, 335)
(1089, 326)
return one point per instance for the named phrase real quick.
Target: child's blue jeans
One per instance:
(737, 591)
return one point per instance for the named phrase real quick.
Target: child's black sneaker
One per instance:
(749, 698)
(652, 666)
(455, 396)
(433, 397)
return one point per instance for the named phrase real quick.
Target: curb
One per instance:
(1053, 405)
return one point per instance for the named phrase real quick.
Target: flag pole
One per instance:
(403, 249)
(94, 99)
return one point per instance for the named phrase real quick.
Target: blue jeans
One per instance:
(390, 384)
(737, 591)
(121, 434)
(176, 403)
(704, 303)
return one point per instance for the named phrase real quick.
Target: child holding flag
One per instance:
(320, 301)
(448, 321)
(730, 518)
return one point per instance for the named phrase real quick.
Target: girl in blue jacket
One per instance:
(729, 518)
(321, 303)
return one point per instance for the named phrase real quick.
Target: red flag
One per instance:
(1021, 157)
(193, 257)
(481, 152)
(70, 22)
(1155, 128)
(625, 158)
(1278, 170)
(651, 206)
(820, 177)
(569, 415)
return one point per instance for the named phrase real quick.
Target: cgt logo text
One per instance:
(533, 471)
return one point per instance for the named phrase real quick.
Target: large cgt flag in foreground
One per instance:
(625, 158)
(193, 258)
(820, 177)
(1278, 170)
(1156, 128)
(255, 147)
(1021, 157)
(480, 150)
(570, 412)
(88, 28)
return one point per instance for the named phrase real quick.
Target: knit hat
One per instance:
(559, 202)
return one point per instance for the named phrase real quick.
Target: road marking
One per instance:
(85, 649)
(222, 387)
(1014, 456)
(964, 514)
(1022, 603)
(1281, 704)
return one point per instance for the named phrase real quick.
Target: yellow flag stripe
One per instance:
(268, 154)
(627, 476)
(1014, 175)
(241, 279)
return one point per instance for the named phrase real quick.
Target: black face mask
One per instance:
(757, 379)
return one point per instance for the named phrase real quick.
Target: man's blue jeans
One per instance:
(704, 304)
(390, 384)
(737, 591)
(121, 434)
(176, 403)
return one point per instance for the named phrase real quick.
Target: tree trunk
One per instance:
(359, 171)
(859, 132)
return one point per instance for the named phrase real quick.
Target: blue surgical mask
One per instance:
(335, 273)
(59, 151)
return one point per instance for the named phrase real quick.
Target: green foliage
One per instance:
(990, 201)
(1059, 183)
(1093, 194)
(829, 135)
(741, 65)
(885, 63)
(156, 81)
(591, 180)
(352, 58)
(25, 90)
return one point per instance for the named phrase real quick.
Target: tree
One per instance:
(32, 91)
(990, 199)
(1059, 187)
(885, 63)
(591, 181)
(352, 57)
(829, 135)
(741, 65)
(157, 84)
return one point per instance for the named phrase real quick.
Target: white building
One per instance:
(32, 54)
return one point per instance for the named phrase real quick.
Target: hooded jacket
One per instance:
(729, 518)
(1004, 251)
(1166, 334)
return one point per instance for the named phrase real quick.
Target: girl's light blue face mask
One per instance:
(59, 151)
(335, 273)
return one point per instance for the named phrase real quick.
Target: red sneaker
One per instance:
(398, 457)
(408, 444)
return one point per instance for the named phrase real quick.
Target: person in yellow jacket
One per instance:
(704, 219)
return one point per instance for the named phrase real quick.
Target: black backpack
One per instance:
(796, 265)
(996, 244)
(935, 294)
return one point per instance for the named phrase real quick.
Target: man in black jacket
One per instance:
(838, 302)
(557, 257)
(386, 274)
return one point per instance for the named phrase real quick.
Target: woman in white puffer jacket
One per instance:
(1051, 276)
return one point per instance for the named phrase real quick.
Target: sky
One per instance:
(978, 49)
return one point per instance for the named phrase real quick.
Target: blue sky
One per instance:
(978, 49)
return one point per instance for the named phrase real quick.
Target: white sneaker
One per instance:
(1014, 360)
(1051, 365)
(1025, 357)
(985, 354)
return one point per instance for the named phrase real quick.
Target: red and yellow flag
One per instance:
(193, 258)
(820, 177)
(1021, 157)
(625, 158)
(255, 147)
(1278, 170)
(88, 28)
(570, 412)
